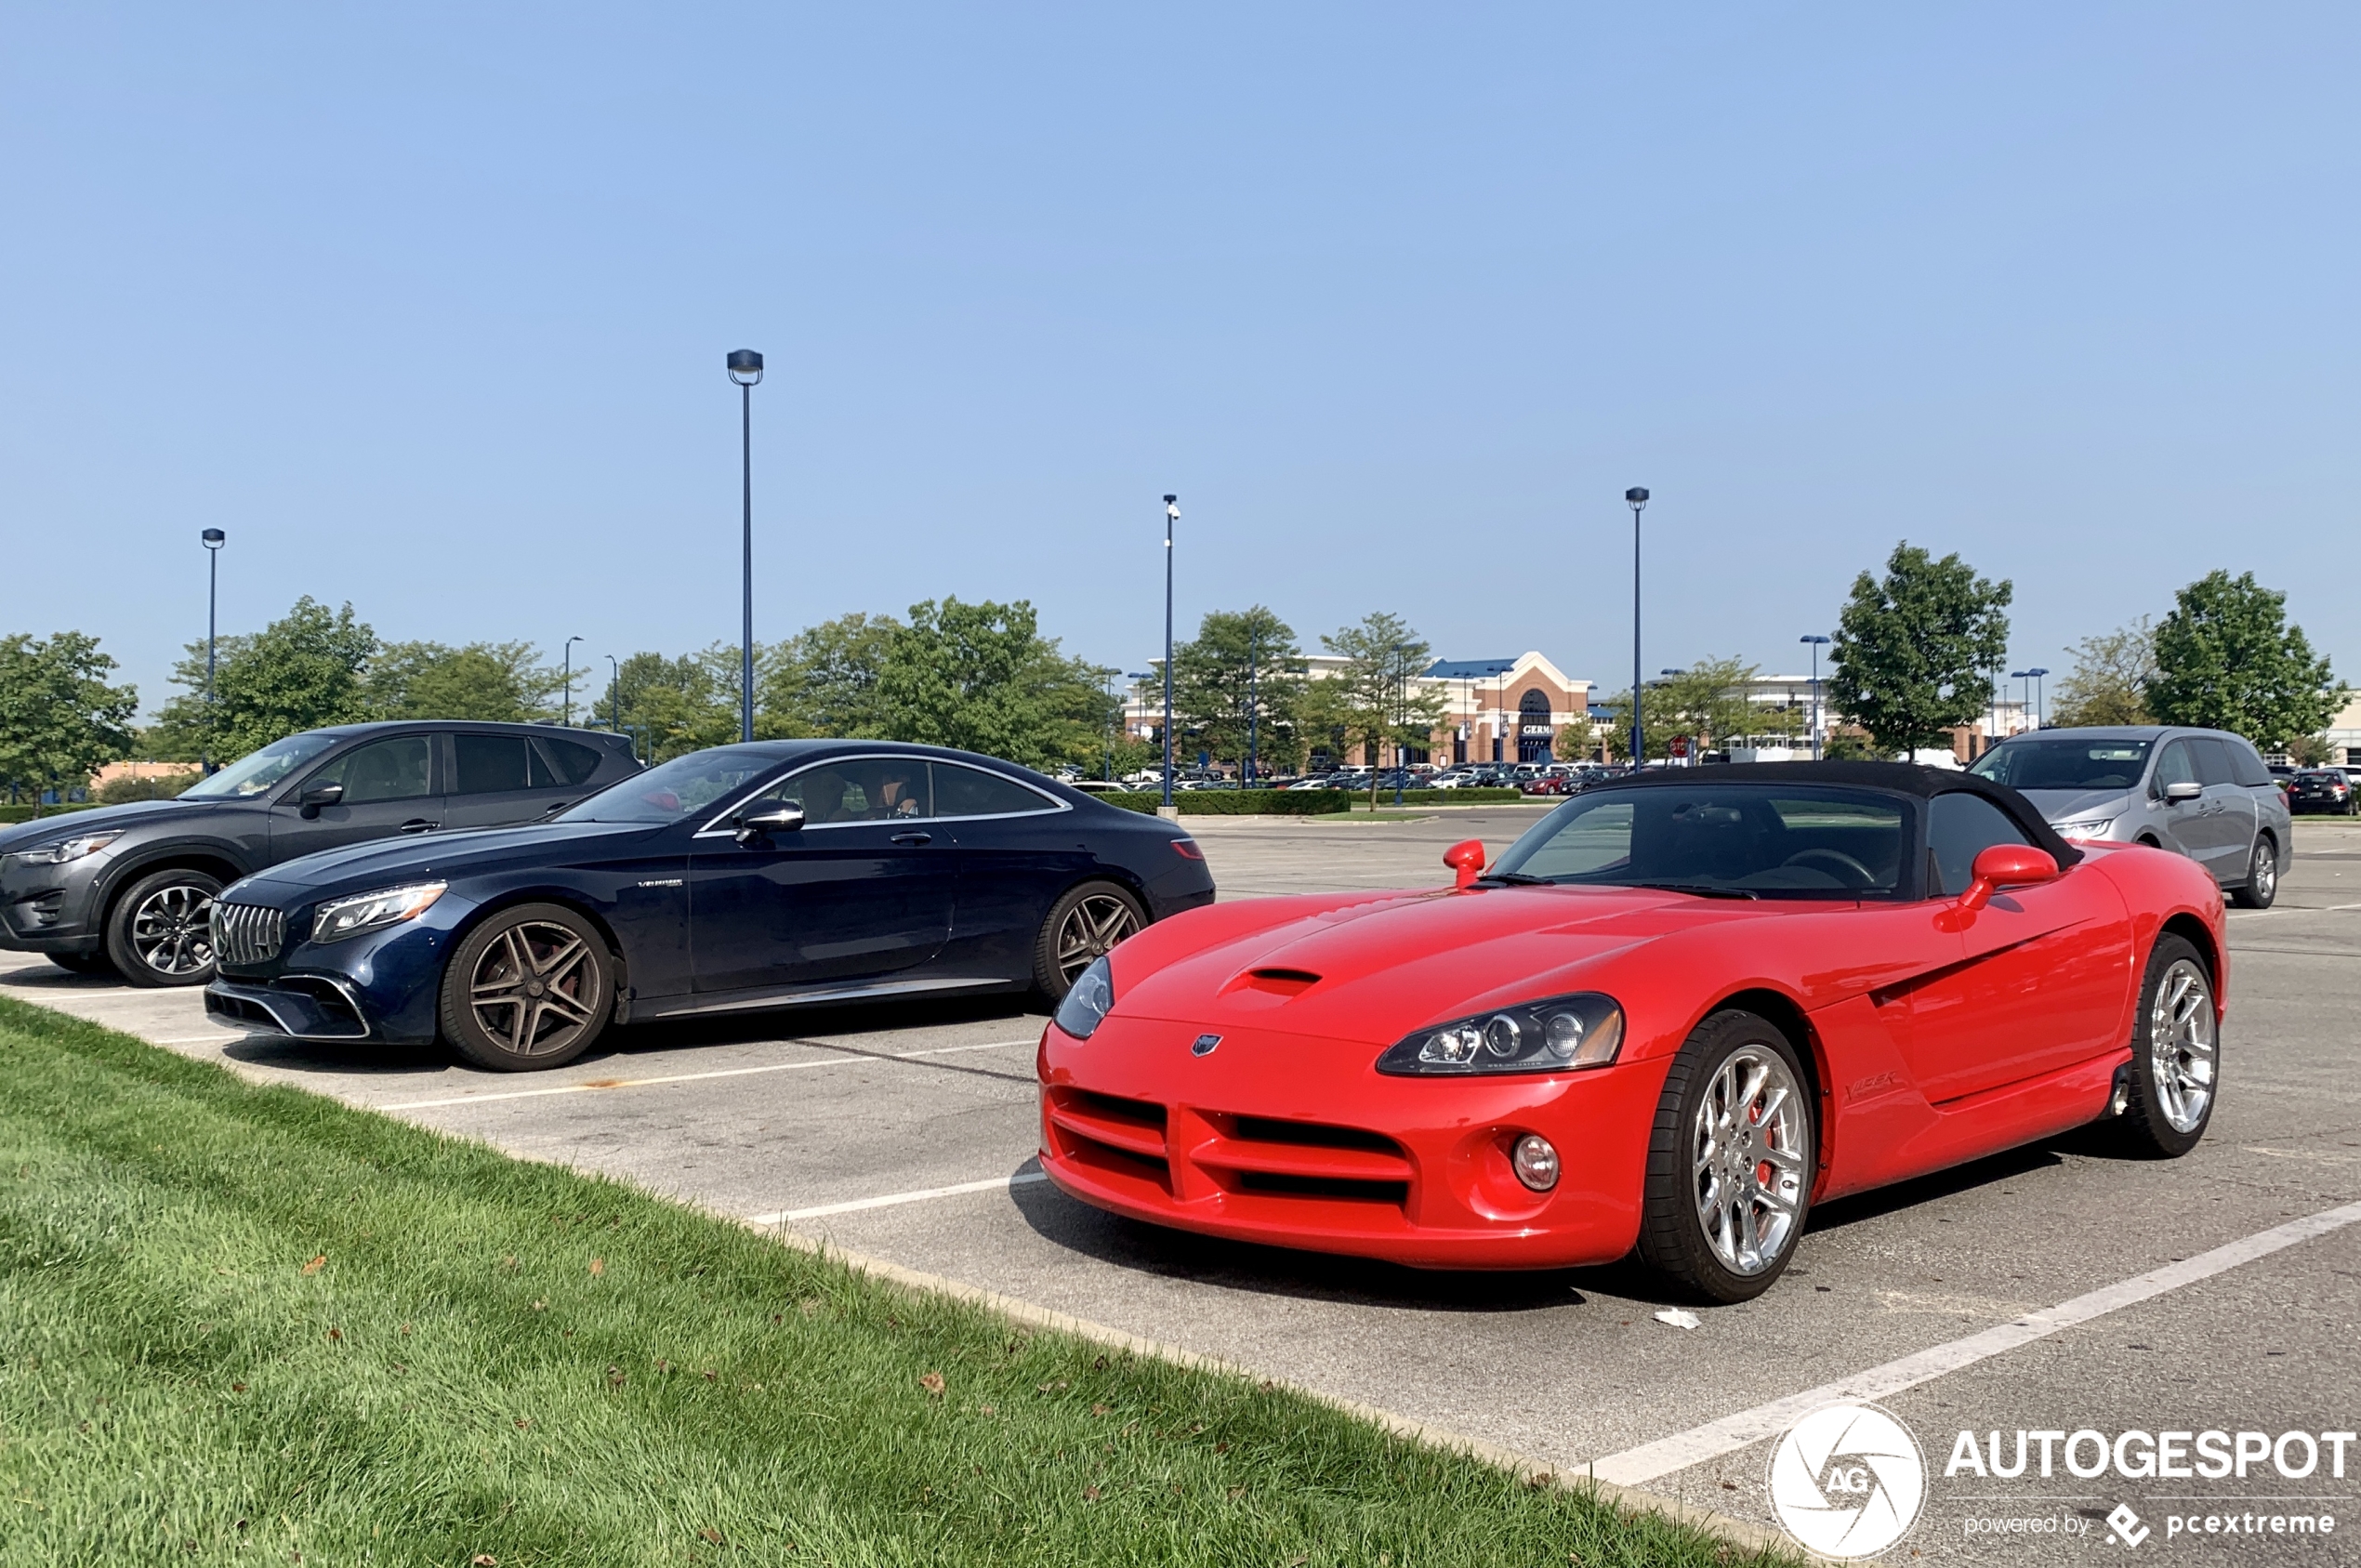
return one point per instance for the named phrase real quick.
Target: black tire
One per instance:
(2172, 1094)
(531, 988)
(159, 930)
(84, 963)
(2262, 875)
(1690, 1165)
(1101, 915)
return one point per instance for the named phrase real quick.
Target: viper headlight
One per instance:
(339, 918)
(1556, 1034)
(66, 849)
(1089, 1000)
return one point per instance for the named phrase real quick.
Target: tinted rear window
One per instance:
(2213, 761)
(2246, 764)
(575, 761)
(489, 764)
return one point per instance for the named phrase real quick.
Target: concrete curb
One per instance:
(1628, 1500)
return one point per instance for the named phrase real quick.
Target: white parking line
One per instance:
(998, 1183)
(1635, 1466)
(597, 1085)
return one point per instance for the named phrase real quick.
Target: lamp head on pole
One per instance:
(745, 367)
(1636, 497)
(1172, 507)
(2036, 672)
(2020, 675)
(212, 538)
(1813, 639)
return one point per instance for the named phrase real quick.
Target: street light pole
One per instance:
(1171, 516)
(2041, 696)
(1637, 499)
(568, 678)
(614, 682)
(745, 369)
(1817, 642)
(213, 540)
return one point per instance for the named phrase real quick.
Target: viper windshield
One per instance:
(1719, 840)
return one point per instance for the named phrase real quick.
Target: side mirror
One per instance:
(2006, 865)
(2187, 789)
(756, 825)
(316, 795)
(1466, 858)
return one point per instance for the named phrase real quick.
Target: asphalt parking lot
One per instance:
(907, 1136)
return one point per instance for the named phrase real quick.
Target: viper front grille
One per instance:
(246, 935)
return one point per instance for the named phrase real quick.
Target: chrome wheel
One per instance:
(1746, 1155)
(1090, 928)
(536, 988)
(2264, 880)
(171, 929)
(2181, 1045)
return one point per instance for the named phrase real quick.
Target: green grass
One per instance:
(249, 1325)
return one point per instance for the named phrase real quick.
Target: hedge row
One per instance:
(24, 813)
(1238, 802)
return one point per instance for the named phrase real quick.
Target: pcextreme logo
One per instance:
(1847, 1481)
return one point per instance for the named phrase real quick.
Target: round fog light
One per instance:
(1536, 1162)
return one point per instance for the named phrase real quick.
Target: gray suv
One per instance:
(2203, 792)
(130, 889)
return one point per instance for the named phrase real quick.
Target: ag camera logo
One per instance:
(1847, 1481)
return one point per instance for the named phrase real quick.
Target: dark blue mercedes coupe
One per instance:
(771, 875)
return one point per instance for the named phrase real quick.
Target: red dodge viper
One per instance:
(1682, 1009)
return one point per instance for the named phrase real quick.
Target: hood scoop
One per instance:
(1278, 983)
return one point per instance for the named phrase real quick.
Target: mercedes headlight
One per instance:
(66, 849)
(2091, 827)
(339, 918)
(1088, 1002)
(1556, 1034)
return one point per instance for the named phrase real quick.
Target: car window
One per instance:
(2212, 760)
(490, 764)
(681, 787)
(1775, 842)
(575, 762)
(2175, 767)
(387, 769)
(971, 792)
(258, 771)
(1959, 826)
(863, 790)
(2064, 764)
(2246, 764)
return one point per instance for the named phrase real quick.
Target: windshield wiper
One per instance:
(1702, 889)
(1517, 880)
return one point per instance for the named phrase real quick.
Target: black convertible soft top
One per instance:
(1896, 778)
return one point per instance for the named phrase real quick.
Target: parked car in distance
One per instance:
(2206, 793)
(2321, 789)
(128, 888)
(768, 875)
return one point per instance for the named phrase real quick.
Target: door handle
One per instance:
(419, 824)
(913, 837)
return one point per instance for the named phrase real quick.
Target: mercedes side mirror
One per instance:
(316, 795)
(754, 826)
(2184, 790)
(1999, 866)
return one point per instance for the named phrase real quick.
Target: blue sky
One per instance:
(427, 307)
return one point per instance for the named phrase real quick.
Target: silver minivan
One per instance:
(2203, 792)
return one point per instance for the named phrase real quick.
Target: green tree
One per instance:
(2310, 751)
(2228, 659)
(1913, 650)
(1378, 697)
(823, 681)
(303, 670)
(673, 706)
(500, 682)
(60, 720)
(981, 677)
(2109, 685)
(1243, 664)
